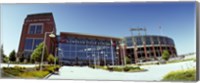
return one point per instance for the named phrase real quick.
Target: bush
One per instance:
(15, 71)
(129, 68)
(181, 75)
(117, 69)
(165, 55)
(110, 68)
(30, 72)
(51, 69)
(34, 74)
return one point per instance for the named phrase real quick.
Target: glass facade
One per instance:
(149, 40)
(84, 51)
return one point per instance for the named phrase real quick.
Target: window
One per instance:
(32, 30)
(35, 29)
(39, 29)
(155, 40)
(31, 44)
(139, 40)
(28, 44)
(148, 40)
(37, 42)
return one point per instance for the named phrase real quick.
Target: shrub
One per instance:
(110, 68)
(129, 68)
(181, 75)
(50, 69)
(29, 72)
(117, 69)
(34, 74)
(165, 55)
(15, 71)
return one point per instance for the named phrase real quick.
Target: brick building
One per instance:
(34, 28)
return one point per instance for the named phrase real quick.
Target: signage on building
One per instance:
(37, 20)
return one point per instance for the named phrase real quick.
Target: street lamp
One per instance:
(111, 41)
(94, 60)
(88, 59)
(105, 59)
(61, 55)
(56, 57)
(52, 36)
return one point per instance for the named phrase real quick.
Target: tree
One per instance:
(37, 53)
(3, 56)
(5, 59)
(21, 58)
(165, 55)
(12, 56)
(51, 59)
(128, 60)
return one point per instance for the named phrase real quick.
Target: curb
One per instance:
(47, 76)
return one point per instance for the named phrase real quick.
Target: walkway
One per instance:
(155, 72)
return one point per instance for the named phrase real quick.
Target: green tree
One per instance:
(51, 59)
(12, 56)
(4, 58)
(21, 58)
(128, 60)
(37, 53)
(165, 55)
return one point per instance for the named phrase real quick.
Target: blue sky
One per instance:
(177, 19)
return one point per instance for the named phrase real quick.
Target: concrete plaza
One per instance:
(154, 73)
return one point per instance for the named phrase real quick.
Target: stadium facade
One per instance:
(87, 49)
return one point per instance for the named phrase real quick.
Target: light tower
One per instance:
(135, 43)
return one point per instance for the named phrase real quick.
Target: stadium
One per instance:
(88, 49)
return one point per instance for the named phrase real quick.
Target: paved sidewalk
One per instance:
(154, 73)
(21, 65)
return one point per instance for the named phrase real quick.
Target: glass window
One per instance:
(28, 44)
(35, 29)
(39, 29)
(37, 42)
(148, 40)
(32, 29)
(139, 40)
(31, 44)
(155, 40)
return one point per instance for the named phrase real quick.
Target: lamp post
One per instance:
(88, 59)
(105, 59)
(111, 41)
(55, 57)
(101, 54)
(94, 60)
(61, 55)
(56, 50)
(52, 36)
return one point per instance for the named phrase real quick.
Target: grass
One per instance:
(22, 72)
(181, 75)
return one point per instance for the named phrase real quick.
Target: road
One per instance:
(154, 73)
